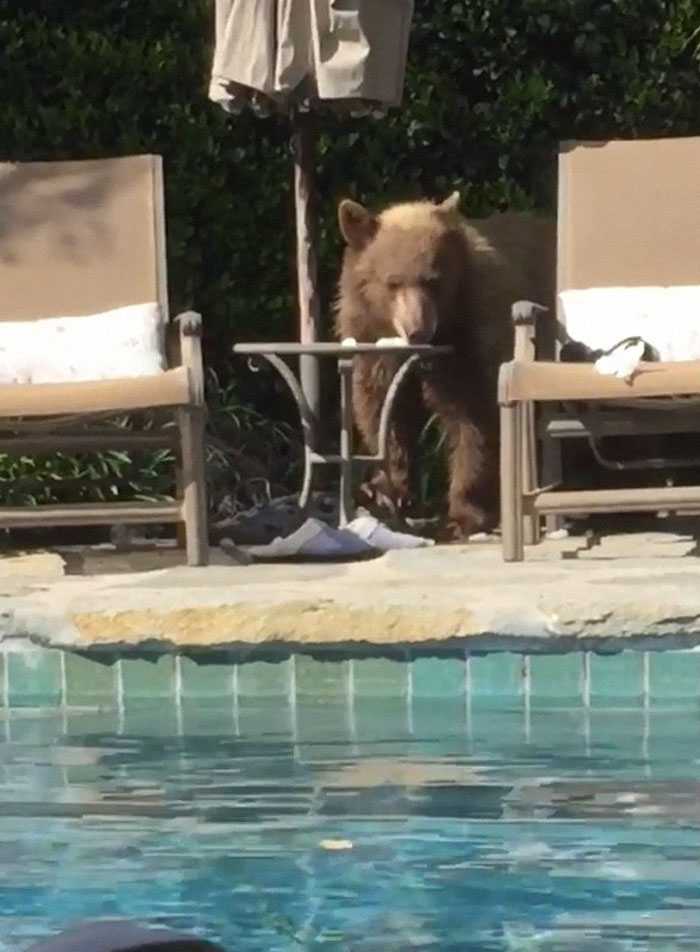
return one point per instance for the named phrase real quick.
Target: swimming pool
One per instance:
(393, 816)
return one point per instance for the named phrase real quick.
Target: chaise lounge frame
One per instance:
(628, 215)
(78, 238)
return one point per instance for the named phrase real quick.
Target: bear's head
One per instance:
(406, 265)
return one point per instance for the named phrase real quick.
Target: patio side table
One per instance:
(345, 357)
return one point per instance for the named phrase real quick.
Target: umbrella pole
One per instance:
(303, 143)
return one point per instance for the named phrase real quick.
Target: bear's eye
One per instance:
(430, 282)
(393, 284)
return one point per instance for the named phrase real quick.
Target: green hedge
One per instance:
(492, 86)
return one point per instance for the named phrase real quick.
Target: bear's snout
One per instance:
(414, 316)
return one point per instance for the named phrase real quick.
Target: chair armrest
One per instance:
(524, 315)
(190, 324)
(186, 350)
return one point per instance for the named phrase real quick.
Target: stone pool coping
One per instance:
(640, 590)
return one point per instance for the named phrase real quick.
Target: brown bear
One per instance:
(422, 272)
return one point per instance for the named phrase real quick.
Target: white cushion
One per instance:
(124, 342)
(15, 351)
(667, 318)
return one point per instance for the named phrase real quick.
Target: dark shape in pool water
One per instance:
(507, 831)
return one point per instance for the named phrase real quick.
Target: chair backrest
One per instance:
(81, 237)
(629, 213)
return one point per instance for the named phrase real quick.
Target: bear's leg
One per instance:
(473, 493)
(472, 445)
(392, 486)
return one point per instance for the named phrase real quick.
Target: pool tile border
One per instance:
(32, 676)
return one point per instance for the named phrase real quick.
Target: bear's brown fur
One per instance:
(422, 272)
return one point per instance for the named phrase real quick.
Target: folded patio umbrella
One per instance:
(297, 51)
(292, 56)
(122, 936)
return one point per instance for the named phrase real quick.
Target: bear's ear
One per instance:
(357, 225)
(451, 204)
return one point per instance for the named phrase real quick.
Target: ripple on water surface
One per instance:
(277, 828)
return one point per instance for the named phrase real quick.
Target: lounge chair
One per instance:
(629, 218)
(79, 242)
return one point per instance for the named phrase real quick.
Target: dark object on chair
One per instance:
(122, 936)
(574, 352)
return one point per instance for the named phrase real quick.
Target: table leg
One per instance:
(347, 509)
(307, 420)
(388, 406)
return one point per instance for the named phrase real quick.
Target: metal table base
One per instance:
(345, 356)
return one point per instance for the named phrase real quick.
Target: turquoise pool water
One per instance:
(389, 824)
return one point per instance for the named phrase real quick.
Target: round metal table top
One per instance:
(341, 350)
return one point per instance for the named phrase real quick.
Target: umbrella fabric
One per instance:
(293, 50)
(122, 936)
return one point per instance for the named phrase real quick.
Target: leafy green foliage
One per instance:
(492, 87)
(108, 477)
(252, 457)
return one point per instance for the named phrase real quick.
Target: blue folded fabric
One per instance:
(122, 936)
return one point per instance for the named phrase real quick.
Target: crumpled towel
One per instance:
(314, 539)
(381, 537)
(365, 536)
(623, 360)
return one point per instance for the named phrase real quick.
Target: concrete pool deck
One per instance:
(639, 590)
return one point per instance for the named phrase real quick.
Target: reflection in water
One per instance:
(268, 832)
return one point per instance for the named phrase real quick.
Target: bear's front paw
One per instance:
(467, 520)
